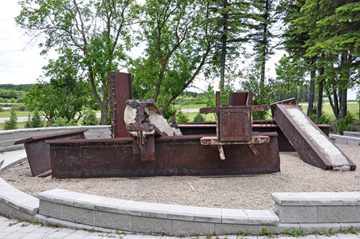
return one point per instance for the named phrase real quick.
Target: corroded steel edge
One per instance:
(318, 156)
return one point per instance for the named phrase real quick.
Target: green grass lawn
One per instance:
(208, 117)
(352, 108)
(20, 125)
(191, 106)
(6, 114)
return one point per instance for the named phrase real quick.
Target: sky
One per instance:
(21, 63)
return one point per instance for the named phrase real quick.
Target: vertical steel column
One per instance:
(120, 91)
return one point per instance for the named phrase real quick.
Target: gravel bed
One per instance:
(242, 192)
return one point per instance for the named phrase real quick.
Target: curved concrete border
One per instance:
(350, 138)
(294, 211)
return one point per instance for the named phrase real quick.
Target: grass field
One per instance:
(352, 108)
(6, 114)
(20, 125)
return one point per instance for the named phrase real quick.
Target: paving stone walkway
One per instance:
(13, 228)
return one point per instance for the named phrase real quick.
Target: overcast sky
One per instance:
(21, 63)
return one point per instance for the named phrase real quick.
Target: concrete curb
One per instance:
(294, 211)
(345, 139)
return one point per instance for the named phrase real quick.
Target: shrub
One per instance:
(28, 122)
(59, 122)
(21, 107)
(36, 121)
(344, 124)
(12, 122)
(90, 118)
(181, 117)
(324, 119)
(199, 118)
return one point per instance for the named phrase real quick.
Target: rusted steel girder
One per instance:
(175, 156)
(209, 128)
(306, 149)
(38, 152)
(120, 90)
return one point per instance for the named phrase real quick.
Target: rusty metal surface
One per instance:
(238, 98)
(182, 155)
(308, 152)
(235, 125)
(120, 90)
(255, 139)
(38, 152)
(209, 128)
(216, 109)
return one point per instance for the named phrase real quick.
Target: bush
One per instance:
(324, 119)
(28, 122)
(21, 107)
(181, 117)
(59, 122)
(12, 122)
(36, 121)
(90, 118)
(199, 118)
(168, 113)
(344, 124)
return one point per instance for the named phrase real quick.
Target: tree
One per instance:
(178, 43)
(12, 122)
(294, 39)
(36, 121)
(231, 19)
(267, 16)
(91, 34)
(290, 76)
(65, 96)
(335, 37)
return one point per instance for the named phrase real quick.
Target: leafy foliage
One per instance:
(181, 117)
(199, 118)
(344, 124)
(91, 35)
(178, 43)
(12, 122)
(36, 121)
(90, 118)
(64, 96)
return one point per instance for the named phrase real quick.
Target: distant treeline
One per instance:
(16, 87)
(10, 91)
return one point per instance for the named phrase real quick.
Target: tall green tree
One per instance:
(290, 76)
(93, 34)
(178, 42)
(335, 38)
(266, 12)
(231, 19)
(294, 39)
(65, 96)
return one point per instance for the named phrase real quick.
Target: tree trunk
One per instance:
(334, 105)
(102, 103)
(223, 49)
(320, 97)
(343, 104)
(310, 110)
(264, 53)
